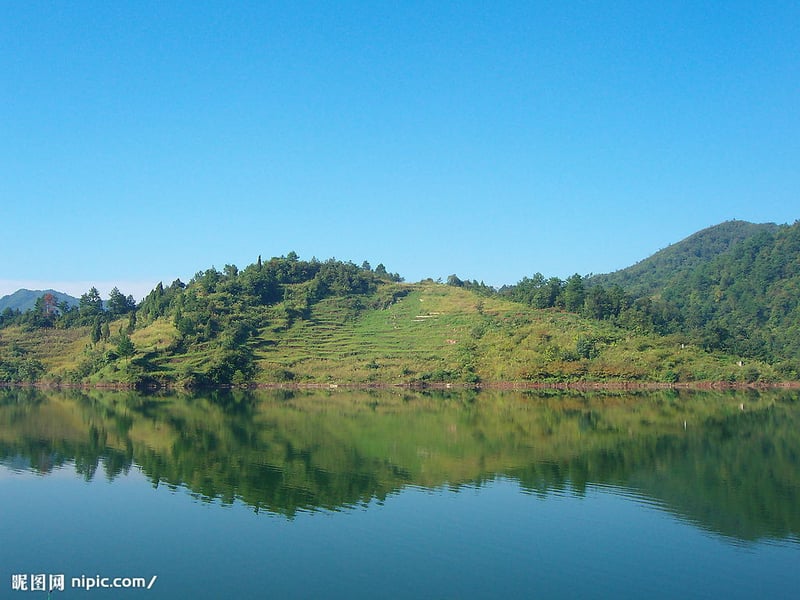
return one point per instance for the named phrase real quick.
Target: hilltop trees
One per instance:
(45, 311)
(91, 311)
(536, 291)
(263, 283)
(222, 311)
(90, 305)
(119, 304)
(573, 293)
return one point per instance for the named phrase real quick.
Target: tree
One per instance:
(7, 316)
(574, 293)
(207, 280)
(44, 311)
(90, 303)
(50, 304)
(97, 331)
(125, 346)
(119, 304)
(586, 347)
(132, 322)
(598, 304)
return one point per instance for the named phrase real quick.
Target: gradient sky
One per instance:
(145, 141)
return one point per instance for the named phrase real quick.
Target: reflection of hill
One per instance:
(735, 475)
(728, 463)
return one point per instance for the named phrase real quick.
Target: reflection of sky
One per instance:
(19, 468)
(478, 542)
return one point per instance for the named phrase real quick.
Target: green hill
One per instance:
(394, 334)
(728, 311)
(734, 287)
(654, 273)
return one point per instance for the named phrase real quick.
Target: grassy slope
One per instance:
(435, 333)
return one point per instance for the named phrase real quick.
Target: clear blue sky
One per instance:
(144, 141)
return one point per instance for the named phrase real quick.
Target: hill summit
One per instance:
(652, 274)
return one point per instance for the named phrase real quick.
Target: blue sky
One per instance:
(145, 141)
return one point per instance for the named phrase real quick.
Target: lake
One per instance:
(399, 494)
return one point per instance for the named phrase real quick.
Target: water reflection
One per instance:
(726, 462)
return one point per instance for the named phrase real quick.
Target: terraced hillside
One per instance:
(333, 323)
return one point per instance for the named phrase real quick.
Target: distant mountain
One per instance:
(652, 274)
(23, 299)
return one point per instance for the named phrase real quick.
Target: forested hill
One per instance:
(747, 298)
(735, 287)
(656, 272)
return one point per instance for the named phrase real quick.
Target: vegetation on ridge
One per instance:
(733, 316)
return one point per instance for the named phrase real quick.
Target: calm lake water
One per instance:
(346, 494)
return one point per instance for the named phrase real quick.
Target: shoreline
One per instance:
(583, 386)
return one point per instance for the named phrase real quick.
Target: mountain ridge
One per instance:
(24, 299)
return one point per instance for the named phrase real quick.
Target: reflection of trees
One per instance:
(725, 462)
(736, 476)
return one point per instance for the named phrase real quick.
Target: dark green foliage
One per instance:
(232, 365)
(90, 305)
(132, 322)
(9, 316)
(650, 275)
(222, 312)
(97, 331)
(574, 294)
(159, 301)
(51, 310)
(119, 304)
(125, 346)
(744, 300)
(17, 366)
(535, 291)
(475, 286)
(586, 347)
(213, 294)
(734, 288)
